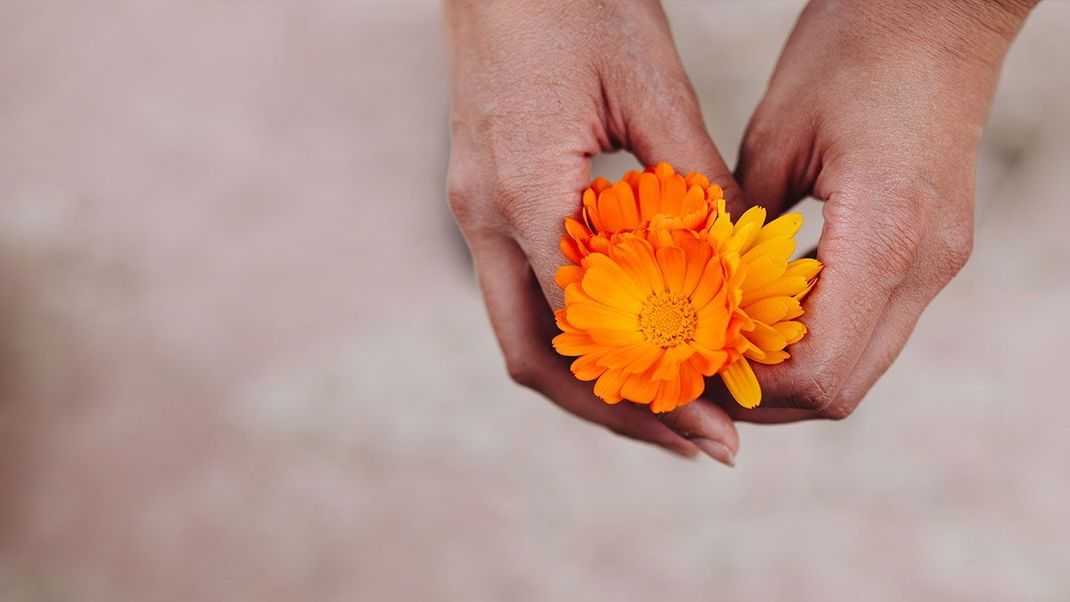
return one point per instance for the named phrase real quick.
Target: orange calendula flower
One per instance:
(657, 197)
(665, 290)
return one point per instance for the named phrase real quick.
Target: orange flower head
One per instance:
(657, 197)
(657, 299)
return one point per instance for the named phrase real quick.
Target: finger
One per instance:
(708, 426)
(894, 327)
(519, 315)
(946, 249)
(868, 246)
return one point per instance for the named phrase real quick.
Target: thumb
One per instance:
(673, 130)
(775, 167)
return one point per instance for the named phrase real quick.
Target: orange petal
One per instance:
(606, 281)
(621, 358)
(673, 190)
(586, 367)
(609, 210)
(708, 361)
(709, 284)
(568, 274)
(576, 229)
(697, 179)
(640, 388)
(574, 344)
(668, 396)
(628, 208)
(571, 250)
(643, 360)
(673, 263)
(649, 196)
(590, 206)
(608, 386)
(592, 314)
(637, 257)
(691, 383)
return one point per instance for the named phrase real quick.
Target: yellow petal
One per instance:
(793, 332)
(752, 218)
(769, 357)
(786, 225)
(806, 267)
(765, 337)
(769, 310)
(780, 248)
(742, 384)
(784, 286)
(763, 272)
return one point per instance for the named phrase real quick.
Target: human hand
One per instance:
(538, 88)
(877, 108)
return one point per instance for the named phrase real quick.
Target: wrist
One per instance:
(971, 31)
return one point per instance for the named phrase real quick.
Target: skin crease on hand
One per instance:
(876, 108)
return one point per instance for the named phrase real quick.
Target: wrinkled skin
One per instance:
(875, 108)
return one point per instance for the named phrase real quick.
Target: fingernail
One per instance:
(715, 450)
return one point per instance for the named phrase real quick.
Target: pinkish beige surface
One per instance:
(242, 356)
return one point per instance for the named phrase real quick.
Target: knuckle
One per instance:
(888, 237)
(458, 195)
(522, 370)
(897, 240)
(954, 245)
(838, 411)
(816, 394)
(461, 189)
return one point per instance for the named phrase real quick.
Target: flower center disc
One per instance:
(667, 320)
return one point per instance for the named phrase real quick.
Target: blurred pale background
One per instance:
(242, 356)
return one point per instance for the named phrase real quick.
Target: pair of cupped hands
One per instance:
(875, 108)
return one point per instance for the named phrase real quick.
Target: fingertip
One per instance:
(708, 427)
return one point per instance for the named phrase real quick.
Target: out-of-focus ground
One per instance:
(242, 356)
